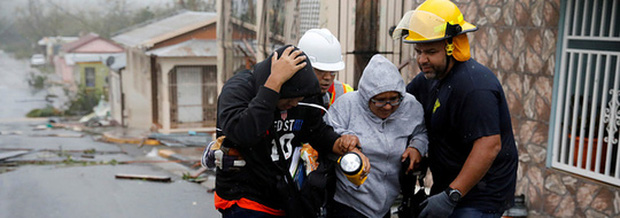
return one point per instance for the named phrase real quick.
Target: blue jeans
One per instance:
(238, 212)
(466, 212)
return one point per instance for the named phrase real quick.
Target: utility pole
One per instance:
(262, 29)
(224, 43)
(291, 24)
(366, 28)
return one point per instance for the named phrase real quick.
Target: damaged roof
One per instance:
(147, 36)
(189, 48)
(91, 43)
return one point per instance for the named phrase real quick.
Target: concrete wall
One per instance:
(115, 97)
(137, 87)
(63, 70)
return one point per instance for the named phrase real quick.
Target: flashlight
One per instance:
(352, 166)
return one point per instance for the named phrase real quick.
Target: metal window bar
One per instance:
(584, 18)
(593, 18)
(573, 118)
(601, 124)
(612, 22)
(587, 102)
(593, 115)
(573, 18)
(603, 20)
(566, 109)
(557, 149)
(601, 111)
(584, 112)
(614, 122)
(208, 96)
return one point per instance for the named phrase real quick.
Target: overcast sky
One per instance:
(7, 7)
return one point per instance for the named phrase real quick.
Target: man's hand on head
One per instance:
(283, 68)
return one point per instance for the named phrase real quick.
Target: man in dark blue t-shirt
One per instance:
(472, 152)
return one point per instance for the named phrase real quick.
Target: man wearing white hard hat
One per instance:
(323, 51)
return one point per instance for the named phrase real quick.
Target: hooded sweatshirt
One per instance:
(383, 141)
(251, 122)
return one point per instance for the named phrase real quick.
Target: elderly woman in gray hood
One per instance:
(390, 125)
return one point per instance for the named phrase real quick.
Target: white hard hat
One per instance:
(323, 49)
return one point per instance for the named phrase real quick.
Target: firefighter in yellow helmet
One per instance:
(472, 152)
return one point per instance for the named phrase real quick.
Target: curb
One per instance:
(107, 137)
(171, 155)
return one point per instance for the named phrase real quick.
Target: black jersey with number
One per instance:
(248, 117)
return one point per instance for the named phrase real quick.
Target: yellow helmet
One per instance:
(433, 20)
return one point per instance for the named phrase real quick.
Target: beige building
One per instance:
(169, 83)
(165, 81)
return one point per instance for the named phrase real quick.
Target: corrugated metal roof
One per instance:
(189, 48)
(147, 35)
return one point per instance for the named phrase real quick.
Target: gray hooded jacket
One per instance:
(383, 141)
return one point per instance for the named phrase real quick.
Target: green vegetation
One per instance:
(48, 111)
(187, 176)
(37, 81)
(84, 102)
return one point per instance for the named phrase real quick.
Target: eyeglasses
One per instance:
(393, 102)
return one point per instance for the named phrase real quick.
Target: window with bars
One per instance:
(193, 96)
(584, 125)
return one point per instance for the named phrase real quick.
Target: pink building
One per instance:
(89, 48)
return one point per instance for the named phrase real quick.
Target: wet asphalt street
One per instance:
(47, 172)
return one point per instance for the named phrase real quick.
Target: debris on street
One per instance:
(65, 135)
(90, 156)
(144, 177)
(10, 132)
(11, 154)
(190, 139)
(100, 116)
